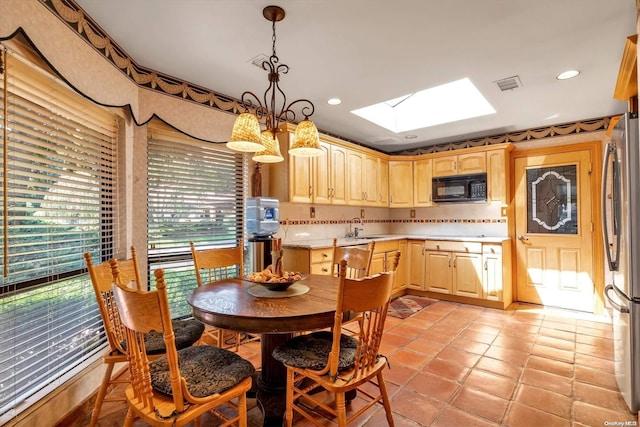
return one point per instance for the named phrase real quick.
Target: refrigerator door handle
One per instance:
(611, 158)
(621, 308)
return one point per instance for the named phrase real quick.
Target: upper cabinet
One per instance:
(422, 183)
(330, 175)
(459, 164)
(498, 176)
(401, 183)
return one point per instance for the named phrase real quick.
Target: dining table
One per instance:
(244, 306)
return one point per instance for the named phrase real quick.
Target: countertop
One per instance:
(343, 241)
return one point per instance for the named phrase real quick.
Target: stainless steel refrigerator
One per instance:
(621, 227)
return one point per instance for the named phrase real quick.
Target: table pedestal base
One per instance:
(272, 381)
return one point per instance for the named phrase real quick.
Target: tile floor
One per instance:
(460, 365)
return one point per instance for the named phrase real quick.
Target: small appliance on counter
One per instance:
(263, 221)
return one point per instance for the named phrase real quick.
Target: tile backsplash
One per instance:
(296, 223)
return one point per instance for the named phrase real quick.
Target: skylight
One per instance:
(450, 102)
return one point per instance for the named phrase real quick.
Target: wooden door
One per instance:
(553, 227)
(439, 271)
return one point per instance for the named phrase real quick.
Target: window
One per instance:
(195, 192)
(58, 169)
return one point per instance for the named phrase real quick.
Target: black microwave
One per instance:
(460, 188)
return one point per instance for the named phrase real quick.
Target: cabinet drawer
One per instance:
(386, 246)
(450, 246)
(321, 255)
(321, 268)
(492, 249)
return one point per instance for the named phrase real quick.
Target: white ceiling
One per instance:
(368, 51)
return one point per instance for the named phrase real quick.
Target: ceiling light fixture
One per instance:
(568, 75)
(246, 135)
(334, 101)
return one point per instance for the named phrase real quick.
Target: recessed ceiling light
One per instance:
(411, 136)
(569, 74)
(334, 101)
(446, 103)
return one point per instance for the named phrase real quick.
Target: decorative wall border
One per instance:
(77, 20)
(395, 221)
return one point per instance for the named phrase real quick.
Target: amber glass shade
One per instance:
(306, 142)
(246, 134)
(271, 152)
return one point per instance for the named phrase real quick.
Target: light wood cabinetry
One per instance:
(497, 176)
(460, 164)
(471, 272)
(330, 175)
(364, 179)
(400, 183)
(422, 183)
(383, 182)
(371, 180)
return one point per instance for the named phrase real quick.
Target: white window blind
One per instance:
(58, 169)
(196, 192)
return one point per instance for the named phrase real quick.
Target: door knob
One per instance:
(522, 238)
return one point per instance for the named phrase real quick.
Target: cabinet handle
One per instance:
(449, 259)
(423, 249)
(324, 270)
(455, 261)
(324, 255)
(486, 265)
(310, 190)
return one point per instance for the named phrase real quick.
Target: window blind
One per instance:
(58, 169)
(196, 192)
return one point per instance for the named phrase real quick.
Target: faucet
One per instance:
(356, 230)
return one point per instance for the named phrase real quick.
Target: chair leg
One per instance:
(341, 409)
(288, 414)
(102, 392)
(385, 399)
(128, 420)
(242, 410)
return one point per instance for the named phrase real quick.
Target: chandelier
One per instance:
(247, 135)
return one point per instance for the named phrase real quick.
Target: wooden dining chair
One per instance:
(181, 386)
(216, 264)
(339, 363)
(129, 275)
(358, 259)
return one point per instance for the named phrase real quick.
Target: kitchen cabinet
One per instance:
(496, 276)
(313, 261)
(498, 176)
(454, 268)
(330, 175)
(383, 182)
(363, 179)
(292, 179)
(370, 180)
(415, 271)
(400, 183)
(475, 162)
(422, 183)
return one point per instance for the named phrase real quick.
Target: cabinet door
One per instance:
(383, 183)
(322, 175)
(370, 180)
(355, 191)
(300, 179)
(438, 271)
(471, 163)
(377, 263)
(492, 277)
(467, 271)
(496, 176)
(401, 273)
(338, 176)
(415, 279)
(422, 183)
(400, 183)
(444, 166)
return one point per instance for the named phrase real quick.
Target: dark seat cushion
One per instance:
(311, 351)
(186, 332)
(208, 370)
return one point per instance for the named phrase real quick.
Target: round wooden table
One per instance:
(227, 304)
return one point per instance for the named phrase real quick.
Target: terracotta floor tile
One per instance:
(590, 415)
(495, 385)
(425, 346)
(594, 362)
(499, 367)
(594, 341)
(409, 358)
(595, 377)
(415, 406)
(460, 357)
(555, 333)
(553, 353)
(544, 400)
(433, 386)
(485, 328)
(559, 343)
(482, 404)
(515, 357)
(393, 339)
(556, 367)
(432, 334)
(451, 416)
(478, 336)
(605, 353)
(399, 374)
(407, 331)
(448, 370)
(595, 332)
(522, 343)
(524, 416)
(470, 346)
(547, 381)
(598, 396)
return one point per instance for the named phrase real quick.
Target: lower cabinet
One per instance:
(383, 254)
(476, 272)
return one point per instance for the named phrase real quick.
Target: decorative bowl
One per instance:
(280, 283)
